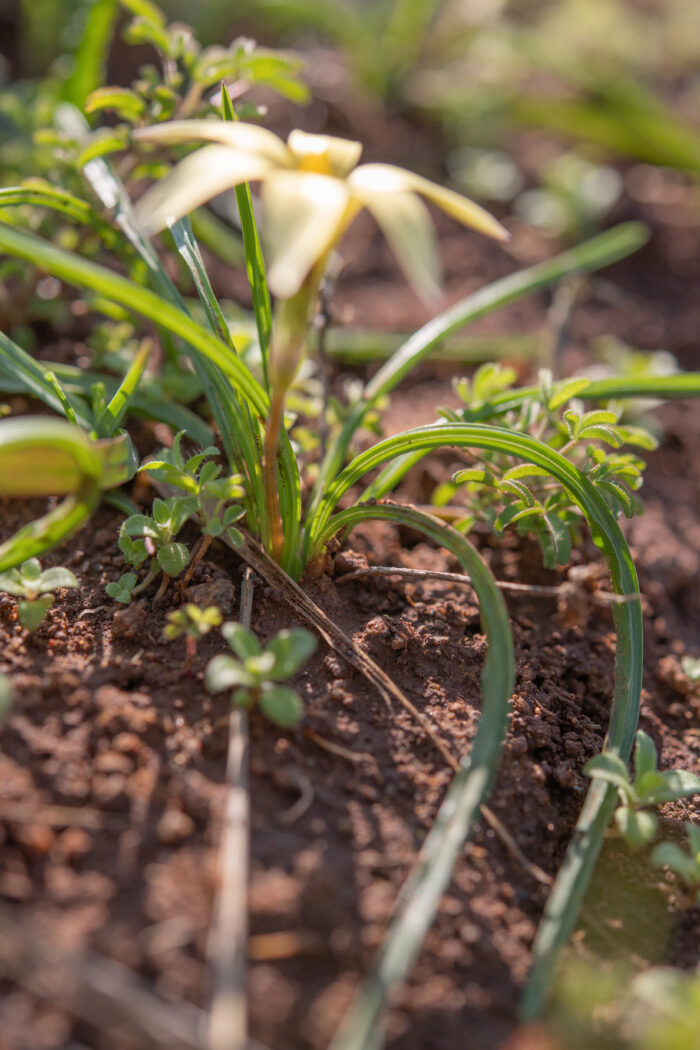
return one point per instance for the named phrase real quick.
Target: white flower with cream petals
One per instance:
(312, 189)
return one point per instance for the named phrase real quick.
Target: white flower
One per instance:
(311, 191)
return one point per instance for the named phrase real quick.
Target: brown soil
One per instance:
(113, 755)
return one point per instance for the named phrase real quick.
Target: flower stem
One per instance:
(287, 351)
(272, 437)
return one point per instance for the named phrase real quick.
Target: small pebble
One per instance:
(219, 592)
(75, 842)
(174, 826)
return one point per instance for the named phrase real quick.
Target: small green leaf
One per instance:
(125, 102)
(145, 9)
(668, 855)
(119, 594)
(134, 551)
(192, 620)
(291, 649)
(147, 31)
(281, 705)
(599, 417)
(650, 781)
(103, 142)
(260, 665)
(561, 537)
(235, 536)
(573, 422)
(173, 558)
(678, 783)
(31, 570)
(121, 590)
(232, 514)
(137, 525)
(549, 551)
(182, 508)
(207, 617)
(525, 470)
(463, 389)
(113, 413)
(609, 435)
(208, 473)
(223, 672)
(11, 583)
(31, 613)
(175, 455)
(516, 512)
(242, 640)
(491, 378)
(473, 474)
(639, 437)
(518, 489)
(637, 827)
(565, 391)
(619, 494)
(645, 756)
(160, 512)
(50, 579)
(609, 767)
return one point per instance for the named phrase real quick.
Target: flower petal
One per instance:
(405, 222)
(193, 181)
(247, 138)
(303, 216)
(388, 178)
(324, 154)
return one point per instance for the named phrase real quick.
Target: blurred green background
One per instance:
(595, 80)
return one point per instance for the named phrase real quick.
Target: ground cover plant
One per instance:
(34, 589)
(280, 499)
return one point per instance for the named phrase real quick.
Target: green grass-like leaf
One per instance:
(574, 876)
(116, 409)
(679, 385)
(91, 53)
(20, 373)
(51, 457)
(255, 264)
(421, 894)
(87, 274)
(38, 193)
(30, 377)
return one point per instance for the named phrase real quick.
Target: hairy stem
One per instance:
(148, 578)
(199, 554)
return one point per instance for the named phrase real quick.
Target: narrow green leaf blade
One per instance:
(421, 894)
(255, 264)
(116, 409)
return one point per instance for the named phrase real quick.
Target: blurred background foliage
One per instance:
(586, 81)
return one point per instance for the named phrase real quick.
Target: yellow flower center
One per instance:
(319, 163)
(324, 154)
